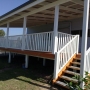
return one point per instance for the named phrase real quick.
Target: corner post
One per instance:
(55, 31)
(55, 66)
(24, 32)
(84, 38)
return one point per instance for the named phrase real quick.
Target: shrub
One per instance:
(86, 80)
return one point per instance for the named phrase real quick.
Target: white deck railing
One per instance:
(39, 41)
(36, 41)
(63, 56)
(63, 39)
(87, 63)
(15, 42)
(3, 42)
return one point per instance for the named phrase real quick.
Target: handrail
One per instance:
(63, 39)
(88, 51)
(66, 44)
(87, 61)
(66, 33)
(40, 33)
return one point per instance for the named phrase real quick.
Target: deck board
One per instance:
(47, 55)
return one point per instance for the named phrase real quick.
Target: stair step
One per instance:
(69, 79)
(78, 55)
(72, 73)
(73, 67)
(77, 58)
(77, 63)
(61, 84)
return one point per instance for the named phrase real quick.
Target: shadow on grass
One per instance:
(35, 71)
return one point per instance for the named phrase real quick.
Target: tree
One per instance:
(2, 33)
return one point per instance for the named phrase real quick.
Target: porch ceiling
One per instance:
(69, 10)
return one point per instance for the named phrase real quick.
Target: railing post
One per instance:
(77, 44)
(56, 66)
(84, 39)
(24, 32)
(7, 44)
(55, 32)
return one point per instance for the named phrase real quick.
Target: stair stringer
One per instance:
(64, 68)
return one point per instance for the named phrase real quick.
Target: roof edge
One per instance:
(17, 8)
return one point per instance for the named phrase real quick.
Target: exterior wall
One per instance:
(77, 25)
(63, 27)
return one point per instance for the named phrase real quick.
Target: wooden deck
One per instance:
(47, 55)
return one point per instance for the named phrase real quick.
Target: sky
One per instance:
(6, 6)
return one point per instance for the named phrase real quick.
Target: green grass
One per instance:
(16, 78)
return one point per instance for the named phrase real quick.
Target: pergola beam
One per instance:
(70, 9)
(78, 2)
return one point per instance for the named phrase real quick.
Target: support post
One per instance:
(24, 32)
(84, 39)
(26, 61)
(56, 66)
(9, 59)
(55, 31)
(7, 44)
(38, 58)
(44, 61)
(13, 55)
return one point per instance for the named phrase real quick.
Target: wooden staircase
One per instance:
(71, 70)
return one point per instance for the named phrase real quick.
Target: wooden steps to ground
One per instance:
(74, 68)
(69, 79)
(75, 63)
(61, 84)
(77, 58)
(70, 72)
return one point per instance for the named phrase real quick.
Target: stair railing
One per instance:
(63, 39)
(87, 66)
(63, 56)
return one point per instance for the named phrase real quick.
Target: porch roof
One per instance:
(41, 12)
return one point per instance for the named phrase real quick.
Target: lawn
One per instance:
(36, 77)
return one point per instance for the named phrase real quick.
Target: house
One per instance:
(54, 31)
